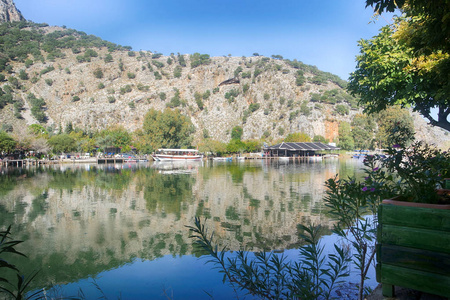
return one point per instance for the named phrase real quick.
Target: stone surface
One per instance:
(9, 12)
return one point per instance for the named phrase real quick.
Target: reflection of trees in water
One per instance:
(167, 193)
(105, 178)
(110, 216)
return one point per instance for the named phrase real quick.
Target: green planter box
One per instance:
(413, 249)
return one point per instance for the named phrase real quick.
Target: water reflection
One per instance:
(81, 220)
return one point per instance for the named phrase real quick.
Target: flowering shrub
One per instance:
(413, 173)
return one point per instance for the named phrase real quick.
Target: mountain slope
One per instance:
(58, 76)
(96, 87)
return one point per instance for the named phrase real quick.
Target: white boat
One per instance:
(177, 155)
(222, 158)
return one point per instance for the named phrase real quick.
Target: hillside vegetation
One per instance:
(60, 78)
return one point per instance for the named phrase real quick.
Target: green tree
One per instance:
(177, 72)
(345, 136)
(23, 75)
(390, 71)
(319, 138)
(395, 126)
(198, 59)
(216, 147)
(167, 129)
(98, 73)
(7, 143)
(297, 137)
(116, 136)
(108, 58)
(235, 146)
(37, 129)
(236, 133)
(363, 128)
(62, 143)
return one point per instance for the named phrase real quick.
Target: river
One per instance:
(119, 231)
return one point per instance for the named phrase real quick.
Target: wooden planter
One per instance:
(413, 248)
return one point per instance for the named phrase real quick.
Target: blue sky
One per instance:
(321, 33)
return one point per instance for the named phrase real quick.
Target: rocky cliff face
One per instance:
(118, 88)
(9, 12)
(95, 88)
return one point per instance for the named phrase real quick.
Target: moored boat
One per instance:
(176, 154)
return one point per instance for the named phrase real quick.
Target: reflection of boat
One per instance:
(176, 154)
(177, 166)
(222, 158)
(315, 158)
(284, 158)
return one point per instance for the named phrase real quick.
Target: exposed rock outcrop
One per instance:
(9, 12)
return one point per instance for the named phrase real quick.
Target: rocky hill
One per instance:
(58, 76)
(9, 12)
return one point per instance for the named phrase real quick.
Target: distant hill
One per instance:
(9, 12)
(56, 76)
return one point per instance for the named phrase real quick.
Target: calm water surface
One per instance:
(122, 228)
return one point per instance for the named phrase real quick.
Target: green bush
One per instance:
(49, 81)
(111, 99)
(156, 55)
(28, 63)
(14, 82)
(304, 109)
(198, 59)
(257, 72)
(75, 98)
(98, 73)
(232, 94)
(253, 107)
(125, 89)
(177, 72)
(162, 96)
(206, 95)
(157, 75)
(131, 75)
(23, 75)
(299, 78)
(143, 88)
(100, 86)
(47, 70)
(342, 109)
(108, 58)
(158, 64)
(181, 60)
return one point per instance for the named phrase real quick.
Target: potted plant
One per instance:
(413, 238)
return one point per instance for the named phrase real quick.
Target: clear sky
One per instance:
(323, 33)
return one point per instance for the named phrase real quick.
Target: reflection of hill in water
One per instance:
(81, 221)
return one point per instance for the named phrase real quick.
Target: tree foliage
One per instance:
(345, 136)
(297, 137)
(363, 128)
(62, 143)
(7, 143)
(236, 133)
(167, 129)
(408, 63)
(395, 126)
(198, 59)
